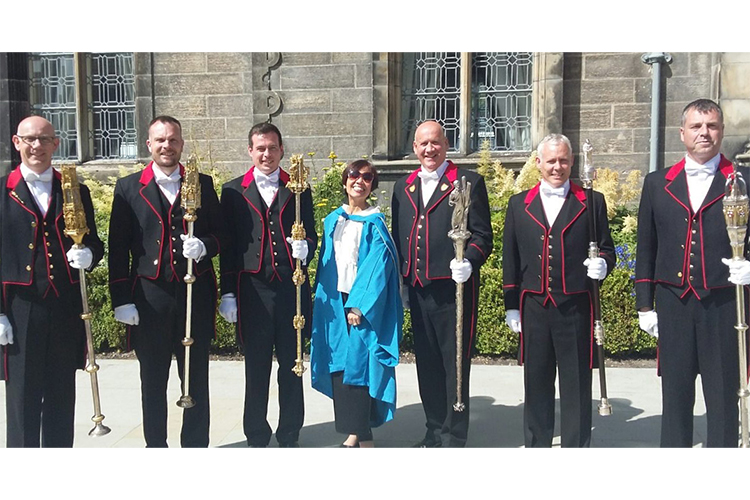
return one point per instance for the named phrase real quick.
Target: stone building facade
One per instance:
(354, 104)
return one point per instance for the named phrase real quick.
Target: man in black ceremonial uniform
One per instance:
(685, 291)
(148, 252)
(41, 332)
(546, 283)
(256, 284)
(421, 221)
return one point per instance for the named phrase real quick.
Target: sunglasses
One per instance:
(366, 176)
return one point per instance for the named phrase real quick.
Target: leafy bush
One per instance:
(623, 337)
(108, 334)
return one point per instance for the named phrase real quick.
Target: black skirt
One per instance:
(351, 408)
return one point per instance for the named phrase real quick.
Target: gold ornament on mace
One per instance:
(76, 228)
(190, 201)
(297, 184)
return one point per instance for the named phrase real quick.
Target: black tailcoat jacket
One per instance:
(425, 237)
(21, 227)
(140, 238)
(677, 248)
(258, 234)
(549, 261)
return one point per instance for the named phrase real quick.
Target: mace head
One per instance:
(735, 205)
(735, 188)
(190, 193)
(74, 215)
(588, 172)
(298, 173)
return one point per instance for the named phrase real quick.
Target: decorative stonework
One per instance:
(267, 103)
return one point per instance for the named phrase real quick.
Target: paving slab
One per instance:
(496, 409)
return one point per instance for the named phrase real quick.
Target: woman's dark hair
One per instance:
(356, 166)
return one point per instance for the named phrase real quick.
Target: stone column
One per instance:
(547, 89)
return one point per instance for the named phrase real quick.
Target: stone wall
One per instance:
(735, 101)
(607, 99)
(321, 102)
(338, 101)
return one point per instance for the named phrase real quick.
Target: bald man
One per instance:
(42, 336)
(421, 221)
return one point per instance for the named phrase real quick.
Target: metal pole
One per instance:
(655, 59)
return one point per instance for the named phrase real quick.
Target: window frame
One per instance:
(85, 110)
(546, 95)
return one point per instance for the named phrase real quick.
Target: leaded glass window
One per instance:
(501, 100)
(53, 96)
(107, 98)
(113, 105)
(431, 91)
(497, 90)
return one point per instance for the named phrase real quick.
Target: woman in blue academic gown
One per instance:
(357, 313)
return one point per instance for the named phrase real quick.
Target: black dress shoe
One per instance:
(293, 444)
(257, 445)
(428, 443)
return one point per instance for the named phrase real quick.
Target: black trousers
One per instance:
(161, 306)
(557, 342)
(266, 312)
(433, 315)
(49, 343)
(698, 337)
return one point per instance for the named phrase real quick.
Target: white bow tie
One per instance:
(265, 181)
(45, 176)
(428, 176)
(551, 191)
(699, 171)
(165, 181)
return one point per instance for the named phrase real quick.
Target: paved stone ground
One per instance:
(496, 409)
(622, 462)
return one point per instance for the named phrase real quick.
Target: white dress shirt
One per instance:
(40, 186)
(552, 199)
(699, 179)
(346, 238)
(430, 181)
(168, 184)
(267, 184)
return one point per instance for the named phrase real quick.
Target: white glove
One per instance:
(513, 320)
(6, 330)
(192, 247)
(127, 314)
(460, 271)
(299, 249)
(80, 258)
(649, 322)
(596, 268)
(228, 307)
(739, 271)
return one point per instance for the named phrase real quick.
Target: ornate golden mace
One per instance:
(76, 228)
(297, 184)
(736, 215)
(190, 195)
(588, 175)
(459, 199)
